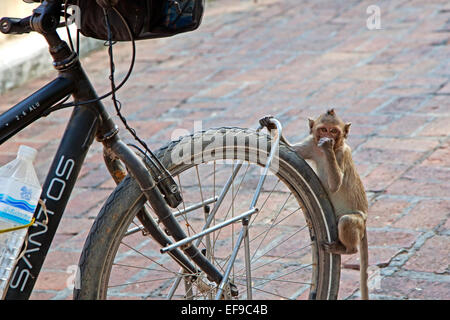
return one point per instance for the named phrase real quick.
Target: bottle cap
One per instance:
(27, 152)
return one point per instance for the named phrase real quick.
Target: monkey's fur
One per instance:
(326, 147)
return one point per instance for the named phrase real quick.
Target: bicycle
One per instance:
(261, 240)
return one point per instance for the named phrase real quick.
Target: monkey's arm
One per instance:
(283, 139)
(334, 169)
(266, 122)
(304, 148)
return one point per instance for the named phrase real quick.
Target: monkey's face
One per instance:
(327, 130)
(329, 125)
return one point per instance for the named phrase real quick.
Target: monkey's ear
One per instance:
(311, 124)
(347, 129)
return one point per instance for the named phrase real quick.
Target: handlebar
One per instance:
(15, 25)
(45, 19)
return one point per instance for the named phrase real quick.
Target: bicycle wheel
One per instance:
(120, 260)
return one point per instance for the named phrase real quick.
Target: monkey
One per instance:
(326, 146)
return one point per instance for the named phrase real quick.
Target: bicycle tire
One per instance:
(116, 215)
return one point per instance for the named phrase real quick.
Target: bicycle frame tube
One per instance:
(32, 108)
(56, 191)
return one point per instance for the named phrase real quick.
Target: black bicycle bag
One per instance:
(147, 19)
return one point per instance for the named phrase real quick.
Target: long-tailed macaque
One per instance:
(326, 147)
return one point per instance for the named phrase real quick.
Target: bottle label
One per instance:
(17, 201)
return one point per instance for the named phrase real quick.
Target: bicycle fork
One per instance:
(148, 186)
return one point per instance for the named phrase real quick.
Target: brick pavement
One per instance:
(294, 59)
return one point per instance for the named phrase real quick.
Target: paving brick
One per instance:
(445, 89)
(418, 188)
(437, 127)
(93, 178)
(436, 105)
(385, 211)
(426, 215)
(428, 173)
(432, 256)
(71, 242)
(392, 238)
(52, 280)
(403, 104)
(36, 295)
(399, 287)
(382, 176)
(85, 200)
(366, 104)
(73, 226)
(407, 144)
(379, 72)
(386, 155)
(349, 283)
(378, 256)
(440, 157)
(429, 290)
(61, 260)
(406, 126)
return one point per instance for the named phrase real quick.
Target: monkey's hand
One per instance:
(326, 143)
(265, 122)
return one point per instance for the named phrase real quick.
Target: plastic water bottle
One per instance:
(19, 195)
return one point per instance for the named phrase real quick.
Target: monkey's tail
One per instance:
(364, 264)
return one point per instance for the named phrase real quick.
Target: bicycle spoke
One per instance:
(266, 232)
(147, 268)
(152, 260)
(228, 211)
(282, 241)
(264, 203)
(284, 275)
(268, 292)
(262, 240)
(213, 213)
(138, 282)
(277, 223)
(277, 280)
(282, 257)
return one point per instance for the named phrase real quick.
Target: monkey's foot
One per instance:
(334, 247)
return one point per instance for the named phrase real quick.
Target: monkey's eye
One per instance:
(334, 130)
(323, 129)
